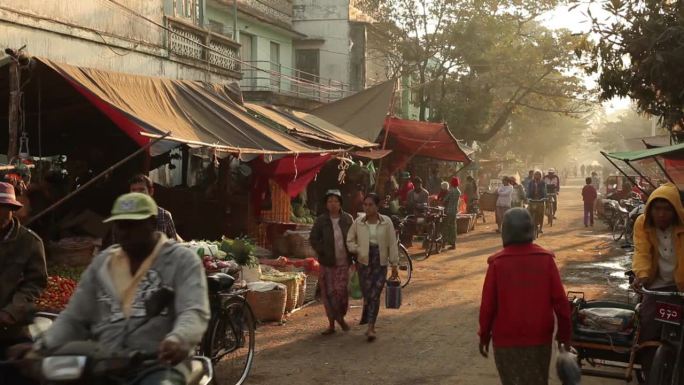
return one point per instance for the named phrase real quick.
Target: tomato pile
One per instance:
(56, 295)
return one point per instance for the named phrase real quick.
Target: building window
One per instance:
(217, 27)
(275, 65)
(188, 9)
(307, 62)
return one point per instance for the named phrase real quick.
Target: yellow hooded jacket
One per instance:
(646, 255)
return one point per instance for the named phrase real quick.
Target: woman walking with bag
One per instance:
(328, 237)
(373, 239)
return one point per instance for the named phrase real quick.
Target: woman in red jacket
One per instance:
(522, 292)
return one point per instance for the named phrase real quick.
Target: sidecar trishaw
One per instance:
(605, 335)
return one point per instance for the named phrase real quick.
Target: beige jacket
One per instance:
(358, 241)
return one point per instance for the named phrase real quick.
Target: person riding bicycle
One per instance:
(658, 262)
(553, 187)
(536, 190)
(108, 305)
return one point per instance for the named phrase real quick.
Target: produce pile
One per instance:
(301, 214)
(56, 295)
(309, 265)
(227, 254)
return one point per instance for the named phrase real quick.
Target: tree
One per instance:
(639, 54)
(611, 135)
(479, 61)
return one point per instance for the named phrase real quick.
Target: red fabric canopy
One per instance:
(291, 173)
(409, 138)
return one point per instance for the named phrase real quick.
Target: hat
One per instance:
(552, 170)
(445, 185)
(333, 192)
(8, 197)
(133, 207)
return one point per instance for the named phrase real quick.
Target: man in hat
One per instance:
(109, 303)
(23, 275)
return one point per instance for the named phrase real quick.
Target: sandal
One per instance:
(328, 332)
(371, 337)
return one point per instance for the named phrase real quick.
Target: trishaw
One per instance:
(606, 333)
(600, 352)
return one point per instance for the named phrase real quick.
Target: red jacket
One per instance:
(589, 193)
(521, 293)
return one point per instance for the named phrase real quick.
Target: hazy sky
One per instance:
(577, 21)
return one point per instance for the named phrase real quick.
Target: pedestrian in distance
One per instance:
(522, 294)
(589, 195)
(503, 201)
(451, 202)
(328, 238)
(373, 239)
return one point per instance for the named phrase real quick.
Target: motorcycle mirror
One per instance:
(158, 301)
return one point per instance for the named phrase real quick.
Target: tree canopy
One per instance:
(640, 54)
(478, 62)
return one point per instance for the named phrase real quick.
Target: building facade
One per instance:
(145, 37)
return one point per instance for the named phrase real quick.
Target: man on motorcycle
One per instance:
(658, 261)
(23, 276)
(553, 186)
(109, 304)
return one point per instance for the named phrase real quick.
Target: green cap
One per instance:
(133, 207)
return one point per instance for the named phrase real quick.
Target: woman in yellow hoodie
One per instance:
(658, 253)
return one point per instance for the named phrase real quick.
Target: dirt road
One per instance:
(432, 338)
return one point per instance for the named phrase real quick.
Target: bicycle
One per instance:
(405, 266)
(620, 224)
(551, 207)
(435, 239)
(536, 208)
(230, 335)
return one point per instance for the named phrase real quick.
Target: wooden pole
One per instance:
(14, 103)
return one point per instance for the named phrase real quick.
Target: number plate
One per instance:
(669, 313)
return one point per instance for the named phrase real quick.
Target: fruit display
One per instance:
(57, 293)
(301, 214)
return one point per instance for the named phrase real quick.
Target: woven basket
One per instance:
(463, 224)
(292, 285)
(311, 288)
(267, 306)
(301, 294)
(488, 201)
(72, 252)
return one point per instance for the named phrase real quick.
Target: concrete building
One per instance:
(146, 37)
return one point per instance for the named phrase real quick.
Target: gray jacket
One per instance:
(94, 312)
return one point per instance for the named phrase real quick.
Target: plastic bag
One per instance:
(355, 286)
(568, 370)
(393, 294)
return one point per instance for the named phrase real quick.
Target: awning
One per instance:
(361, 114)
(668, 152)
(433, 140)
(308, 126)
(196, 113)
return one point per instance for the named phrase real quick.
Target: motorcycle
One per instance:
(86, 362)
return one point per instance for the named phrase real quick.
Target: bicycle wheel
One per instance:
(619, 228)
(434, 241)
(229, 339)
(405, 266)
(662, 367)
(549, 213)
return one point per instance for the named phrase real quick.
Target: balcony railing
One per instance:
(268, 76)
(280, 10)
(190, 42)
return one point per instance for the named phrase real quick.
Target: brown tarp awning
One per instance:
(361, 114)
(195, 113)
(309, 127)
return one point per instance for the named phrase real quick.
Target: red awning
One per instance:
(409, 138)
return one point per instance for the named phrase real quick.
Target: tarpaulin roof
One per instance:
(361, 114)
(676, 152)
(433, 140)
(195, 113)
(309, 126)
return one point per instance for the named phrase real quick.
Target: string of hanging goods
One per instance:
(344, 165)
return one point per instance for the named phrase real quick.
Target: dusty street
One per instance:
(432, 339)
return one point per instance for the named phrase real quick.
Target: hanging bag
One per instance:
(355, 286)
(393, 294)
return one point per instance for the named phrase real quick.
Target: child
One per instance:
(589, 195)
